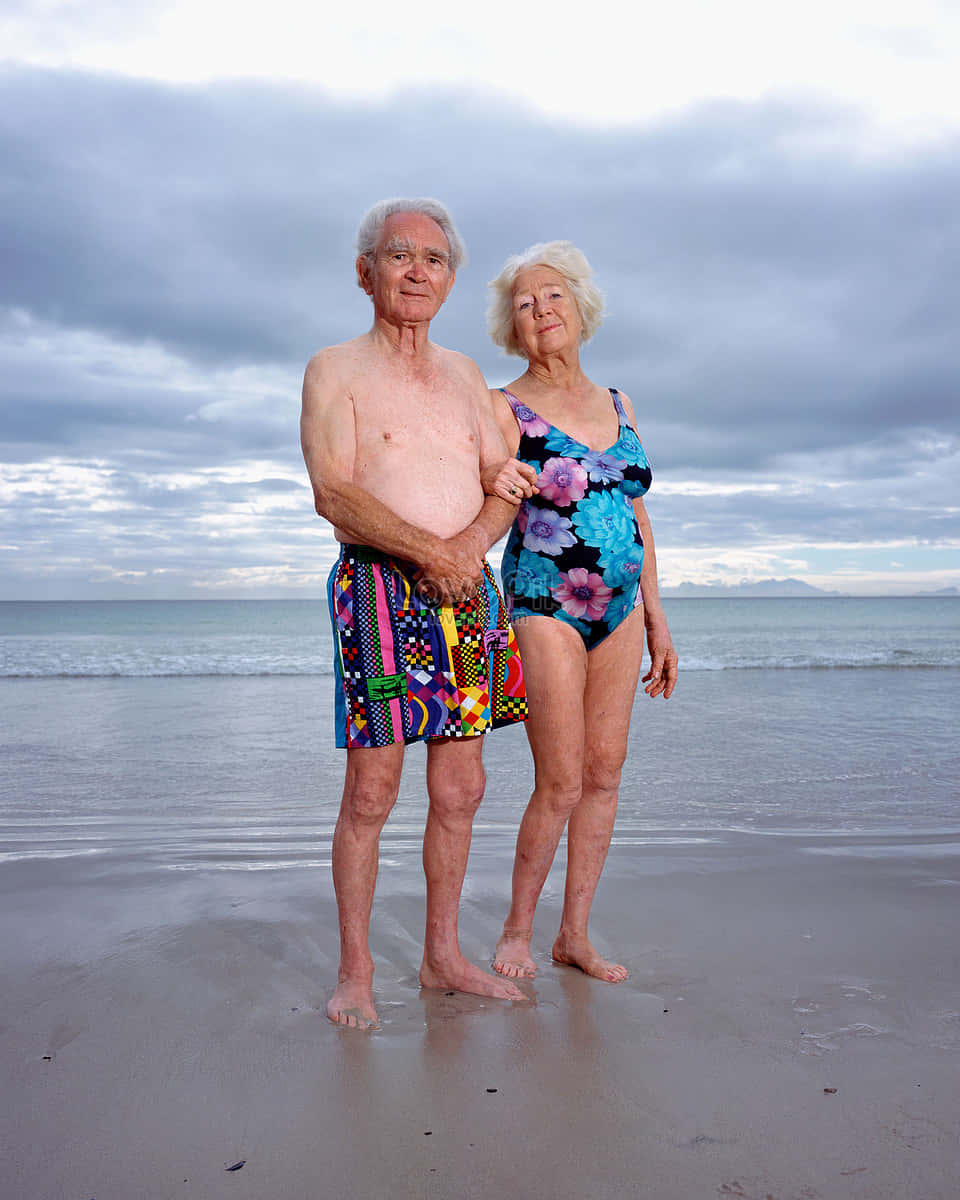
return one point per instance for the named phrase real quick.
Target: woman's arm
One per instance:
(661, 679)
(511, 480)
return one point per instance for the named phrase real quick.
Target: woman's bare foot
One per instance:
(461, 976)
(512, 958)
(352, 1005)
(578, 952)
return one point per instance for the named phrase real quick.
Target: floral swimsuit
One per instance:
(575, 550)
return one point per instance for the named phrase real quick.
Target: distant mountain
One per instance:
(758, 587)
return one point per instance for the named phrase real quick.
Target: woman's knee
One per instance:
(602, 771)
(559, 795)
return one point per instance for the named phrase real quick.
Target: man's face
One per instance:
(411, 274)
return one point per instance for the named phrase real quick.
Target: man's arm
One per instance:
(328, 436)
(497, 515)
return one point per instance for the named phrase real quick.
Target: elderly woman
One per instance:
(580, 578)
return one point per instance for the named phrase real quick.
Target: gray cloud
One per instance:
(782, 304)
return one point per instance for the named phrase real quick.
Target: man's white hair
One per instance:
(566, 260)
(371, 227)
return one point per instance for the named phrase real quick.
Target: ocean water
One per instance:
(292, 637)
(147, 738)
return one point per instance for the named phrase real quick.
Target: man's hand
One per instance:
(451, 571)
(661, 679)
(512, 481)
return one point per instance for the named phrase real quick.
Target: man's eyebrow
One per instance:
(396, 243)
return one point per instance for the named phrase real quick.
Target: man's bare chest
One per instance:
(405, 415)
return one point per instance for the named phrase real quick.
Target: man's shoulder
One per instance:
(331, 357)
(337, 364)
(459, 363)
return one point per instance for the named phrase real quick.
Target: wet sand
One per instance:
(790, 1031)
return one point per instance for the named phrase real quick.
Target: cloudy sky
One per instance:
(768, 194)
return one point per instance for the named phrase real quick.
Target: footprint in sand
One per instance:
(833, 1013)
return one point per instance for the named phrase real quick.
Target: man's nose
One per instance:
(416, 268)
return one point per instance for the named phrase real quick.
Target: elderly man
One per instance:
(396, 434)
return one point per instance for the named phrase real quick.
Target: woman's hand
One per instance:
(512, 481)
(661, 679)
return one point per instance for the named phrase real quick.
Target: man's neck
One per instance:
(412, 340)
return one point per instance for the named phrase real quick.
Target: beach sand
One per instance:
(790, 1031)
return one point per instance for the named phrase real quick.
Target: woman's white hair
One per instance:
(371, 227)
(566, 260)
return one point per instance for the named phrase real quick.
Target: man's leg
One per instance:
(455, 782)
(369, 793)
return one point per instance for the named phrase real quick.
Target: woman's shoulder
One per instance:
(624, 404)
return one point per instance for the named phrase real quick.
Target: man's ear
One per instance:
(365, 275)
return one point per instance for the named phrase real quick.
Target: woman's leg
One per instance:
(613, 669)
(554, 671)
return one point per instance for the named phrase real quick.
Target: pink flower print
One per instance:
(563, 481)
(582, 593)
(531, 423)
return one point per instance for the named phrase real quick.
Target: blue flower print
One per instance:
(547, 532)
(631, 448)
(603, 468)
(619, 607)
(580, 626)
(561, 443)
(632, 488)
(606, 521)
(530, 575)
(623, 566)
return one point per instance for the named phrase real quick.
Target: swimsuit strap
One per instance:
(511, 400)
(618, 405)
(516, 403)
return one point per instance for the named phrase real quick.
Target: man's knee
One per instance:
(370, 789)
(458, 792)
(367, 805)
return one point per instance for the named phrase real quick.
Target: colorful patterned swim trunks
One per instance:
(407, 670)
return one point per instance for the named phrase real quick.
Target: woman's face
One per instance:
(545, 314)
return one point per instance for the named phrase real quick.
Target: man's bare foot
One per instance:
(512, 958)
(352, 1005)
(578, 952)
(459, 975)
